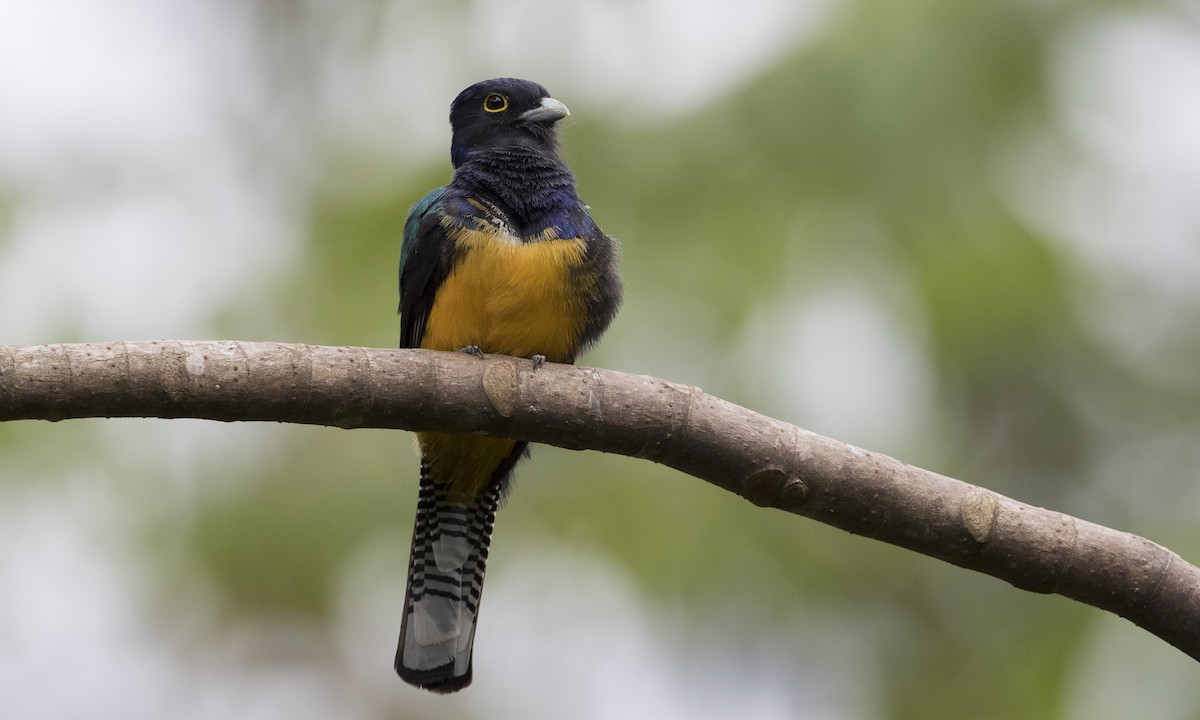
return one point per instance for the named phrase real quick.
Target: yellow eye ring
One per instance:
(495, 102)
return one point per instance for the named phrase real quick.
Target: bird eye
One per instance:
(495, 102)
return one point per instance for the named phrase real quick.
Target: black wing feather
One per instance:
(425, 267)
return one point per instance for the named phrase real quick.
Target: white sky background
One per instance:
(147, 169)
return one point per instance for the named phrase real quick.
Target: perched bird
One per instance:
(505, 259)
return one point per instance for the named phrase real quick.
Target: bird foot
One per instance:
(473, 350)
(538, 361)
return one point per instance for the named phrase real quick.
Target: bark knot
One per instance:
(763, 488)
(979, 510)
(500, 386)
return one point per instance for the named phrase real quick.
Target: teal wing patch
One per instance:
(413, 222)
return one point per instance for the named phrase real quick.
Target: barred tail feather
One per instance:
(445, 581)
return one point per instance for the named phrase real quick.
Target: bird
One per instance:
(505, 259)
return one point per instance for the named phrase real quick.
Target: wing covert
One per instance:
(424, 264)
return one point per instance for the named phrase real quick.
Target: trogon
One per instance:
(506, 260)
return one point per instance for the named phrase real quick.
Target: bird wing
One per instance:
(425, 259)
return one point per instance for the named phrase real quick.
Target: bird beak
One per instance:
(550, 111)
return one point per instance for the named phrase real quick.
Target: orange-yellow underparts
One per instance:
(508, 298)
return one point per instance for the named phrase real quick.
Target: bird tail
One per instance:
(445, 581)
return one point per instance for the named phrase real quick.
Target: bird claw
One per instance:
(538, 361)
(473, 350)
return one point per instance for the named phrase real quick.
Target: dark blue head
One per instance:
(503, 112)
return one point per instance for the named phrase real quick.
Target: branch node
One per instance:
(500, 386)
(793, 495)
(979, 510)
(764, 488)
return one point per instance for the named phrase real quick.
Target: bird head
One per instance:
(503, 112)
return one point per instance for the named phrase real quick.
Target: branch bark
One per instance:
(766, 461)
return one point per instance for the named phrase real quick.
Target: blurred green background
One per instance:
(966, 234)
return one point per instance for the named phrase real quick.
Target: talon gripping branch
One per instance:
(505, 259)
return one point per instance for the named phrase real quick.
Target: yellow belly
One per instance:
(508, 298)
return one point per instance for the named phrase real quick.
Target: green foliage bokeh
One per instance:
(874, 154)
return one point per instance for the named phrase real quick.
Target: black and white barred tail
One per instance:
(445, 582)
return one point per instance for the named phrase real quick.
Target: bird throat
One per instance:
(531, 187)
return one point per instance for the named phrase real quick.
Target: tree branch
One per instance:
(770, 463)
